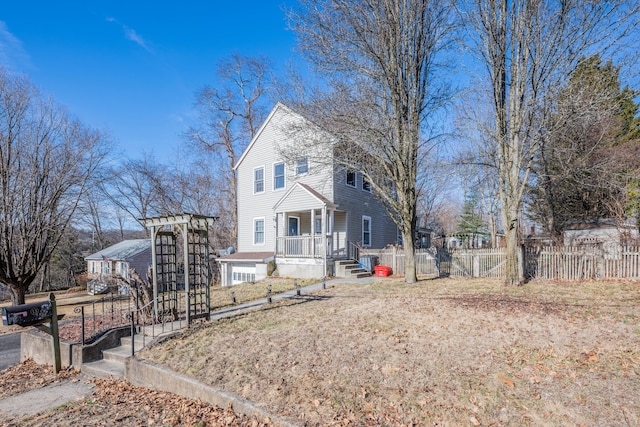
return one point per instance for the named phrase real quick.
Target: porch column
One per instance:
(277, 232)
(330, 231)
(313, 233)
(324, 240)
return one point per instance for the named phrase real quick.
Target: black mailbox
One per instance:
(27, 314)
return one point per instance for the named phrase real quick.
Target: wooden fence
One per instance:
(560, 263)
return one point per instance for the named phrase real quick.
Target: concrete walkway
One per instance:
(42, 399)
(52, 396)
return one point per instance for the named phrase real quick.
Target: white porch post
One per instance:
(331, 222)
(324, 239)
(313, 233)
(277, 230)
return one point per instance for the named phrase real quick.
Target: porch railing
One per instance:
(303, 246)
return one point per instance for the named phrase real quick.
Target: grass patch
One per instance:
(445, 351)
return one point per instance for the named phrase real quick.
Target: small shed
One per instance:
(602, 231)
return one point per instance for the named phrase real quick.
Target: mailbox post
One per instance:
(35, 314)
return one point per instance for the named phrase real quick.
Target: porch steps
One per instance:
(350, 268)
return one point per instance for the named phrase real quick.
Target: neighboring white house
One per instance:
(300, 214)
(116, 261)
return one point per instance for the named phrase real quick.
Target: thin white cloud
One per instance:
(132, 35)
(13, 56)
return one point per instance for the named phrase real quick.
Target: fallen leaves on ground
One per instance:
(116, 402)
(28, 375)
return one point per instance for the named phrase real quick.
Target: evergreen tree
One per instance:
(580, 172)
(471, 225)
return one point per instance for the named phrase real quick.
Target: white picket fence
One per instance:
(560, 263)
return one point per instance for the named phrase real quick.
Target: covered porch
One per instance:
(309, 228)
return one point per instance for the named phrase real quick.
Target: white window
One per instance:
(366, 185)
(366, 231)
(258, 180)
(258, 231)
(278, 176)
(351, 179)
(318, 226)
(302, 166)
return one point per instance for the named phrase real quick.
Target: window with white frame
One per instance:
(366, 185)
(366, 231)
(258, 231)
(278, 176)
(302, 166)
(351, 178)
(258, 180)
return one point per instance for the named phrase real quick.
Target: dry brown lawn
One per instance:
(439, 352)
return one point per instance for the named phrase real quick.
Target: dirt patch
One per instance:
(441, 352)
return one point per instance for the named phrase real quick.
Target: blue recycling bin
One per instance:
(368, 262)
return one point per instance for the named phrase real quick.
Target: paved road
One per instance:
(9, 350)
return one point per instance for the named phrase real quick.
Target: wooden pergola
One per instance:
(195, 237)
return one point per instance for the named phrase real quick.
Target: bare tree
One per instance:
(91, 214)
(383, 60)
(231, 114)
(46, 160)
(138, 187)
(528, 48)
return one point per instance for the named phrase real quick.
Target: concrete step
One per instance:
(113, 359)
(362, 275)
(140, 342)
(104, 369)
(359, 273)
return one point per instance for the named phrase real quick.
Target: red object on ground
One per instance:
(382, 270)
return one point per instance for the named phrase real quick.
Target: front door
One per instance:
(294, 229)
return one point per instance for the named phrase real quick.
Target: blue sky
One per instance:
(132, 67)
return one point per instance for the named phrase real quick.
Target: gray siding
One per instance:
(358, 203)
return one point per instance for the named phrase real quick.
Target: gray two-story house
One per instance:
(301, 213)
